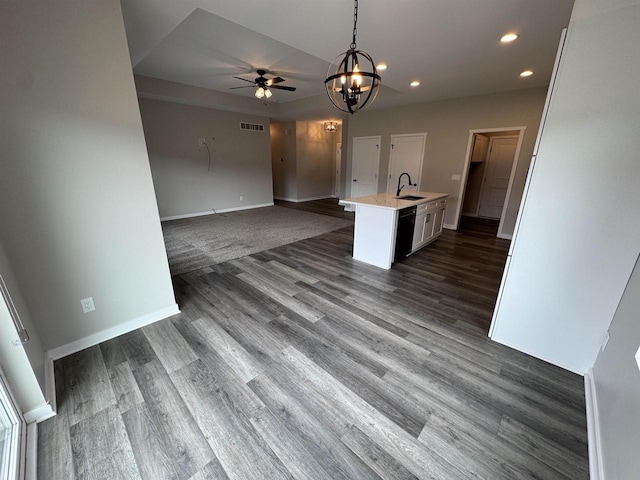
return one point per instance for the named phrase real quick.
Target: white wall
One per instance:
(616, 376)
(77, 206)
(184, 182)
(447, 124)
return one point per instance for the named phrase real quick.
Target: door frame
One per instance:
(467, 165)
(422, 150)
(484, 177)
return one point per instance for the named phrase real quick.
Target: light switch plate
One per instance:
(455, 176)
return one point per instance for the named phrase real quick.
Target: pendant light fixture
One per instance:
(352, 80)
(330, 127)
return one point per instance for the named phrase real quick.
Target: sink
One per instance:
(410, 197)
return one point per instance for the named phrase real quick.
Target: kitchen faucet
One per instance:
(401, 187)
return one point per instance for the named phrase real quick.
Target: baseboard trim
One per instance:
(31, 463)
(39, 414)
(505, 236)
(449, 226)
(596, 470)
(50, 382)
(308, 199)
(212, 212)
(113, 332)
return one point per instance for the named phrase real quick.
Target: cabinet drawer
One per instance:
(427, 207)
(441, 203)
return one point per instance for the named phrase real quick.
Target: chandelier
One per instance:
(354, 82)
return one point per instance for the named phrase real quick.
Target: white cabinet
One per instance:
(429, 221)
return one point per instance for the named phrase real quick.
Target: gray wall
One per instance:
(283, 159)
(303, 160)
(447, 124)
(617, 385)
(184, 185)
(315, 153)
(78, 211)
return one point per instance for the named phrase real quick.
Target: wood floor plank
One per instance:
(87, 389)
(393, 377)
(307, 423)
(228, 348)
(124, 386)
(241, 450)
(377, 458)
(422, 462)
(101, 447)
(171, 349)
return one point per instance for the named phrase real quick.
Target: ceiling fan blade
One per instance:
(245, 80)
(235, 88)
(278, 87)
(276, 80)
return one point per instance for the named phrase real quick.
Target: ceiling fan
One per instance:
(264, 85)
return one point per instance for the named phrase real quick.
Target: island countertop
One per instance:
(391, 202)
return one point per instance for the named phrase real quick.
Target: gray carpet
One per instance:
(194, 243)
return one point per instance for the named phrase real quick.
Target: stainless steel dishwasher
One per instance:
(404, 233)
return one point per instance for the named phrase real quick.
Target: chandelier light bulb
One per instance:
(267, 93)
(260, 92)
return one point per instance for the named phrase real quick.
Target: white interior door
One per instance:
(502, 151)
(407, 152)
(364, 168)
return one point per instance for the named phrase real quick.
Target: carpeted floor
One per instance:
(194, 243)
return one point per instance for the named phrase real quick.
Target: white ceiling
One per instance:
(451, 46)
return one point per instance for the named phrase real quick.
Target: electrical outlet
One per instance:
(201, 142)
(241, 198)
(87, 305)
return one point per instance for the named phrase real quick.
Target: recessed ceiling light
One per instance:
(381, 66)
(415, 83)
(526, 73)
(509, 37)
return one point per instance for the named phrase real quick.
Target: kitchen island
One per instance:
(380, 218)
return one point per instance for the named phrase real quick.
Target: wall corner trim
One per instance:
(214, 212)
(596, 468)
(109, 333)
(39, 414)
(90, 341)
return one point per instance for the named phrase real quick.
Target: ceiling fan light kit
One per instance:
(264, 86)
(352, 79)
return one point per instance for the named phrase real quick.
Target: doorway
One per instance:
(406, 155)
(337, 167)
(490, 166)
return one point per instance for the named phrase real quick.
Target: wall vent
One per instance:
(254, 127)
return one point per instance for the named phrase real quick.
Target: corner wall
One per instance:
(616, 378)
(184, 180)
(447, 124)
(77, 209)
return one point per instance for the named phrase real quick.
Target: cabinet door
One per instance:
(418, 230)
(423, 231)
(439, 221)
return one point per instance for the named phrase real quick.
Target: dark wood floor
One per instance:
(299, 362)
(324, 206)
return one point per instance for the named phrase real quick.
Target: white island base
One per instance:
(374, 238)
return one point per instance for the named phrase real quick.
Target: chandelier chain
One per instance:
(355, 23)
